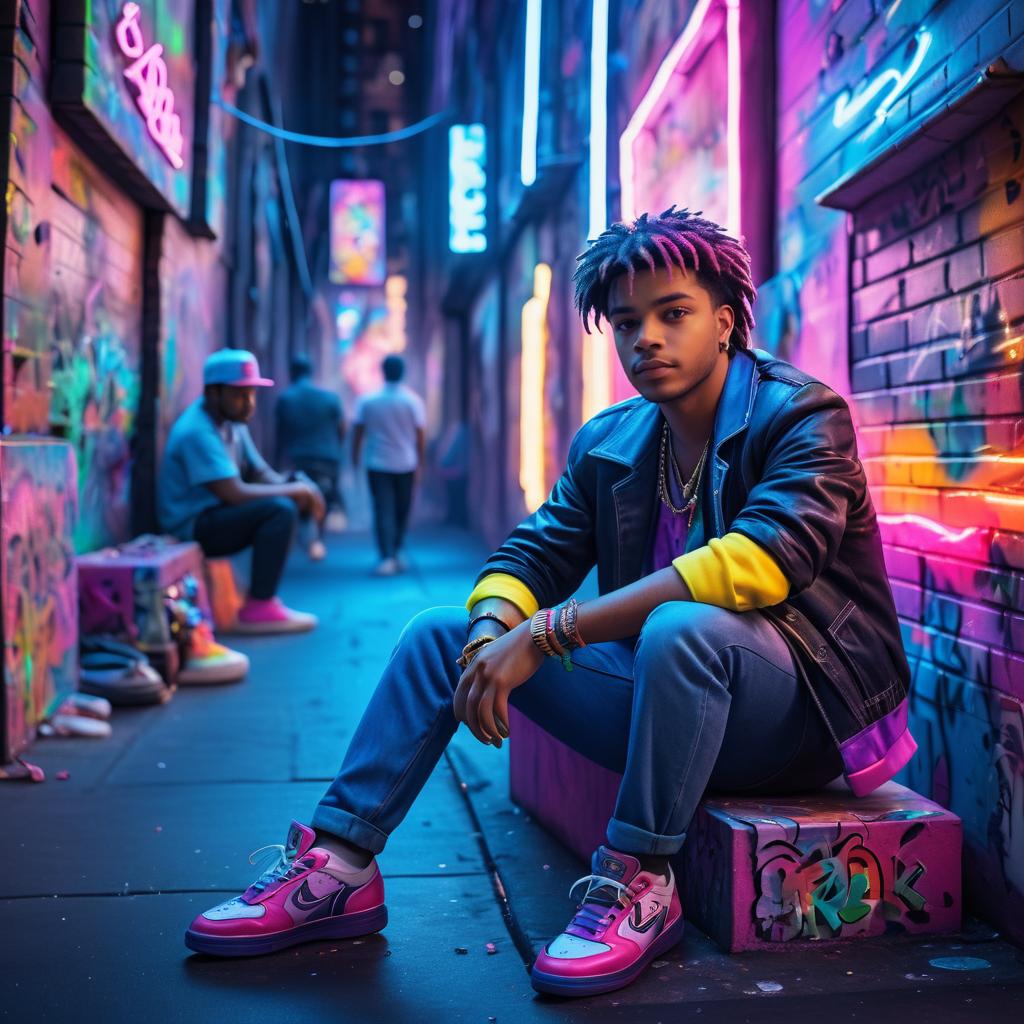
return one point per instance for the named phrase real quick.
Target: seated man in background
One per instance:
(216, 489)
(310, 427)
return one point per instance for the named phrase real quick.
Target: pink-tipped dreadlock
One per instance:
(675, 238)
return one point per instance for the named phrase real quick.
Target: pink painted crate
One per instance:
(768, 874)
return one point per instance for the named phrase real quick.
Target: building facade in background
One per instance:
(871, 154)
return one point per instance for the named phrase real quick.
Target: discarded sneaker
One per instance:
(119, 673)
(271, 616)
(209, 661)
(628, 918)
(307, 893)
(75, 725)
(86, 705)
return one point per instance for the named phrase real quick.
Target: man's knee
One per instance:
(686, 625)
(442, 625)
(278, 513)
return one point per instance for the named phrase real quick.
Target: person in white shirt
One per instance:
(389, 430)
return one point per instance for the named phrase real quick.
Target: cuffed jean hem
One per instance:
(630, 839)
(347, 826)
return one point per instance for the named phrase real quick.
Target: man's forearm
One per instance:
(506, 611)
(623, 612)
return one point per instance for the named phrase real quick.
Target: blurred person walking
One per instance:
(310, 429)
(390, 424)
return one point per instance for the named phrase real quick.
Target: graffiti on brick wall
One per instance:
(95, 323)
(939, 341)
(192, 288)
(26, 342)
(39, 590)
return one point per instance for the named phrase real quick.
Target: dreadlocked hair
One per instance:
(675, 238)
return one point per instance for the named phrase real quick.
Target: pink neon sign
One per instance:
(148, 73)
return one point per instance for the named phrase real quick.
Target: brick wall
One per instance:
(937, 345)
(914, 307)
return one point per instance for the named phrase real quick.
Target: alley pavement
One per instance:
(101, 873)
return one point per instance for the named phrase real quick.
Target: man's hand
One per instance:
(308, 498)
(481, 700)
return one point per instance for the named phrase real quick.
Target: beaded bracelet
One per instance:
(542, 633)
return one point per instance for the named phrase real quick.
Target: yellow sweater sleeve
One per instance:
(733, 572)
(500, 584)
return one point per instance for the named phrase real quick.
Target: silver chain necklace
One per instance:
(689, 488)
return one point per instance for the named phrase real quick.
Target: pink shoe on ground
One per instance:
(271, 616)
(628, 918)
(306, 894)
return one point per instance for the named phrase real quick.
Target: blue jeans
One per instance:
(703, 698)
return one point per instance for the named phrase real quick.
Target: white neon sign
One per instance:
(849, 106)
(154, 98)
(467, 196)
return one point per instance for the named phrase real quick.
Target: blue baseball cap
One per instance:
(234, 367)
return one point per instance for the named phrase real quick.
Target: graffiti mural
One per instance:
(824, 867)
(192, 283)
(95, 324)
(26, 348)
(39, 586)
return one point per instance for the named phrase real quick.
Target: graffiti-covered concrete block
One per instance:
(38, 584)
(762, 873)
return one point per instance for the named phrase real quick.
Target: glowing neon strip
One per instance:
(531, 94)
(531, 389)
(328, 141)
(153, 97)
(597, 219)
(732, 45)
(597, 378)
(929, 524)
(846, 109)
(650, 100)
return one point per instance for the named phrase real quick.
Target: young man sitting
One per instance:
(745, 637)
(216, 489)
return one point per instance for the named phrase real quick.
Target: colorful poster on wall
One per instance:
(680, 154)
(357, 232)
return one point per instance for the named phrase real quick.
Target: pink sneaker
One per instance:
(628, 917)
(307, 894)
(271, 616)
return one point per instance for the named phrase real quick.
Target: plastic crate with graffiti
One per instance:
(763, 873)
(149, 592)
(38, 485)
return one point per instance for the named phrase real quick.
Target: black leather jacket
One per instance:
(784, 471)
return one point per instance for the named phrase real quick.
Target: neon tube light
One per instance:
(467, 188)
(952, 536)
(531, 94)
(148, 73)
(652, 100)
(597, 219)
(732, 35)
(531, 389)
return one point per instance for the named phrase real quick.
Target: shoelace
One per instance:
(279, 866)
(587, 916)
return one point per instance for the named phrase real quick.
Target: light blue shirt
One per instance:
(197, 453)
(391, 418)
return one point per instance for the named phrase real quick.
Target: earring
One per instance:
(722, 346)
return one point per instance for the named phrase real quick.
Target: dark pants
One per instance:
(392, 500)
(324, 473)
(266, 525)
